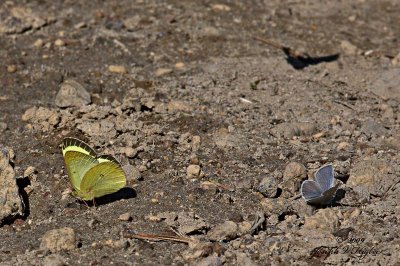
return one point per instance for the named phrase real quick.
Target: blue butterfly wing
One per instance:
(310, 190)
(325, 177)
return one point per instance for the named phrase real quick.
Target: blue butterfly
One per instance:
(322, 191)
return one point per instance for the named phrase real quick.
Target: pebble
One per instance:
(295, 170)
(125, 217)
(132, 173)
(268, 187)
(3, 126)
(176, 106)
(343, 146)
(180, 65)
(349, 48)
(117, 69)
(196, 141)
(38, 43)
(11, 68)
(163, 71)
(58, 240)
(72, 93)
(59, 43)
(220, 7)
(225, 231)
(193, 171)
(29, 171)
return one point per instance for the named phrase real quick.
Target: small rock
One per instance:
(3, 126)
(38, 43)
(295, 170)
(11, 68)
(220, 7)
(180, 65)
(396, 60)
(29, 171)
(193, 171)
(54, 260)
(323, 219)
(342, 146)
(225, 231)
(29, 113)
(196, 141)
(72, 93)
(58, 239)
(163, 71)
(268, 187)
(212, 260)
(125, 217)
(129, 151)
(290, 130)
(117, 69)
(349, 48)
(10, 200)
(59, 42)
(132, 173)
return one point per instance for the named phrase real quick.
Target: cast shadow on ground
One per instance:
(124, 193)
(301, 62)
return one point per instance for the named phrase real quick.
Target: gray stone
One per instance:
(72, 93)
(268, 187)
(10, 200)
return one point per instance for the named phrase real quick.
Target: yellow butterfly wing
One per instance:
(72, 144)
(104, 178)
(77, 165)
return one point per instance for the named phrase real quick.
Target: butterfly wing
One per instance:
(77, 164)
(310, 190)
(72, 144)
(324, 176)
(326, 198)
(102, 179)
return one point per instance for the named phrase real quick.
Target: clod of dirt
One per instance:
(10, 199)
(225, 231)
(43, 119)
(373, 128)
(72, 93)
(193, 171)
(373, 175)
(125, 217)
(324, 219)
(58, 239)
(244, 259)
(132, 173)
(292, 177)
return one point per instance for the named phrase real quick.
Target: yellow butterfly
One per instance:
(91, 175)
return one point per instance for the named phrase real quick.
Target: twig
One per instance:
(288, 50)
(257, 222)
(153, 237)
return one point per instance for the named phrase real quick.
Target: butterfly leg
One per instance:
(94, 203)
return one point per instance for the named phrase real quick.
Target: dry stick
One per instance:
(292, 52)
(145, 236)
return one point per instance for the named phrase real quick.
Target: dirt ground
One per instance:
(217, 110)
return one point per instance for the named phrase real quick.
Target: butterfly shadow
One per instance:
(124, 193)
(301, 62)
